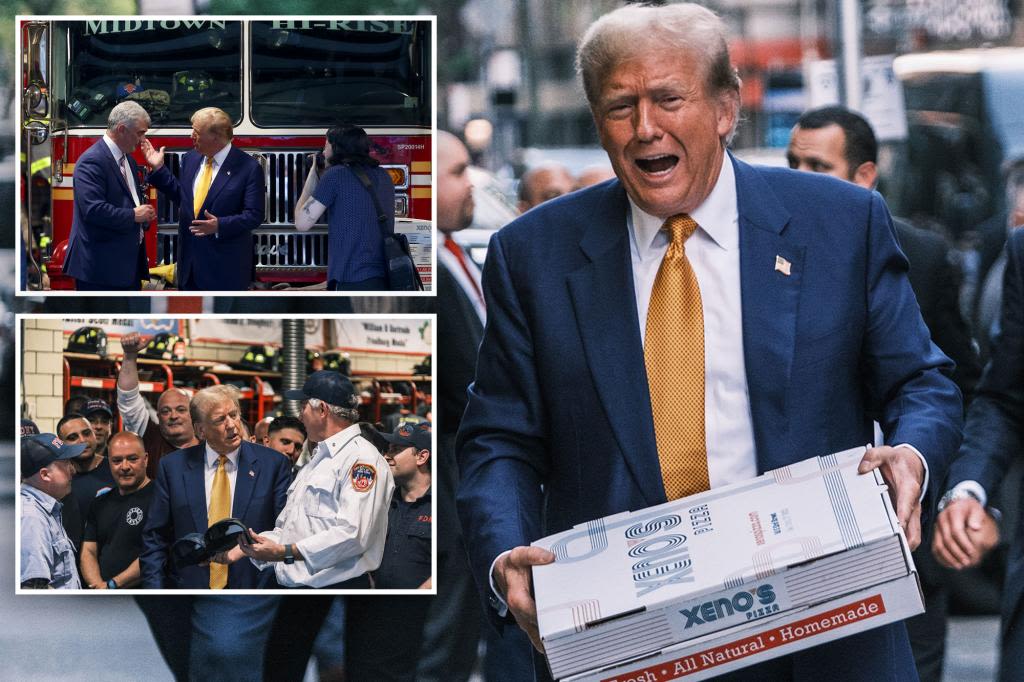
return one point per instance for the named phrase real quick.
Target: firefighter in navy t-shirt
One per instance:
(113, 528)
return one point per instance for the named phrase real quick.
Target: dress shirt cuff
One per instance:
(271, 535)
(497, 600)
(974, 488)
(924, 463)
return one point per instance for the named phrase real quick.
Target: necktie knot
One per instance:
(222, 460)
(679, 228)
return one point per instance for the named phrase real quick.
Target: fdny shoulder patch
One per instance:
(363, 477)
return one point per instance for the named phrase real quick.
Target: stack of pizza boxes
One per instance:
(727, 578)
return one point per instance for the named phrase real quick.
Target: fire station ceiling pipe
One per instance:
(293, 361)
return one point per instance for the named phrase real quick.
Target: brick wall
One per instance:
(42, 372)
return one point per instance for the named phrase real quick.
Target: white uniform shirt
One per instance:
(336, 514)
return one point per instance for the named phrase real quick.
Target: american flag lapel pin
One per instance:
(782, 265)
(252, 473)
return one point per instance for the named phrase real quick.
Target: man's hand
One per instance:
(154, 158)
(964, 533)
(513, 577)
(98, 586)
(131, 344)
(227, 557)
(904, 473)
(202, 228)
(145, 213)
(261, 549)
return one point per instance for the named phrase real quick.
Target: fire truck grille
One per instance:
(273, 249)
(278, 246)
(284, 173)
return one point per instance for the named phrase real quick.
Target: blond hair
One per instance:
(215, 120)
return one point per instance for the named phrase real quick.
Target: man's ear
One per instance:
(866, 175)
(422, 457)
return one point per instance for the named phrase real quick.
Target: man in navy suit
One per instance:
(221, 198)
(966, 529)
(810, 331)
(106, 250)
(205, 635)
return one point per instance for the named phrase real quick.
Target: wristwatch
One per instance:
(289, 554)
(953, 495)
(111, 585)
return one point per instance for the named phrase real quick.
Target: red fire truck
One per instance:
(284, 81)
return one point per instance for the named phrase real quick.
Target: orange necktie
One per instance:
(674, 356)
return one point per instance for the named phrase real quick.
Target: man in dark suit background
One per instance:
(106, 250)
(839, 142)
(206, 636)
(795, 273)
(221, 198)
(965, 530)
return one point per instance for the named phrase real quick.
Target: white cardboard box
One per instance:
(708, 568)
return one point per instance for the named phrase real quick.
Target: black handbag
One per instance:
(401, 271)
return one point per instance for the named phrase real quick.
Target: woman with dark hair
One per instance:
(355, 260)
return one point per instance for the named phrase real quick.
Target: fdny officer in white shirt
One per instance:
(331, 531)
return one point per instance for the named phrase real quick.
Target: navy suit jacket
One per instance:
(237, 197)
(179, 507)
(104, 244)
(994, 434)
(560, 398)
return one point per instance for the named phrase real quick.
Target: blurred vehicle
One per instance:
(494, 207)
(965, 121)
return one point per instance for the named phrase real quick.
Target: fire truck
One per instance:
(283, 81)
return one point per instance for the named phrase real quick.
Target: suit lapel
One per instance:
(223, 176)
(113, 166)
(769, 303)
(245, 480)
(600, 292)
(195, 486)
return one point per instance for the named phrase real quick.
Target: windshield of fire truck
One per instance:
(171, 67)
(317, 73)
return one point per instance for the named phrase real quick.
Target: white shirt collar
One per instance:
(114, 149)
(218, 158)
(212, 456)
(335, 442)
(721, 203)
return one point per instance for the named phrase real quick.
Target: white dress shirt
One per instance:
(338, 528)
(714, 254)
(121, 159)
(230, 467)
(218, 161)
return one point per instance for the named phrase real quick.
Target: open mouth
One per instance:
(658, 164)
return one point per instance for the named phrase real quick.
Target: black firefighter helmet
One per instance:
(261, 359)
(88, 340)
(165, 346)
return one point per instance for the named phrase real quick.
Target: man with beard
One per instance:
(113, 527)
(174, 424)
(287, 435)
(91, 474)
(101, 419)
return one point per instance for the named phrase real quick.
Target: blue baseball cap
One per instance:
(411, 432)
(327, 385)
(42, 450)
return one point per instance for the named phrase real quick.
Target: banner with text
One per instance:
(411, 336)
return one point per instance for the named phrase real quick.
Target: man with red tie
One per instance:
(106, 251)
(221, 199)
